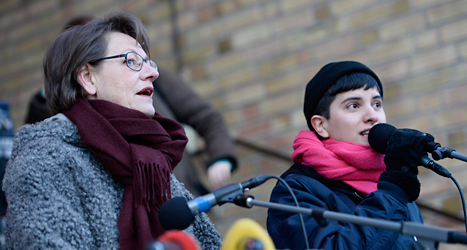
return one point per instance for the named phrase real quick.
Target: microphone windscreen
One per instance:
(175, 214)
(378, 136)
(181, 239)
(243, 231)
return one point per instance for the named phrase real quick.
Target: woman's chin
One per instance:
(149, 111)
(365, 141)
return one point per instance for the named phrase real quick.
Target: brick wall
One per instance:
(253, 58)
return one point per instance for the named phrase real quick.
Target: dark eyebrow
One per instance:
(355, 98)
(377, 97)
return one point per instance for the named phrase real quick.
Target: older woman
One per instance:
(94, 175)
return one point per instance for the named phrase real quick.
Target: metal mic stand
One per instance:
(425, 232)
(441, 153)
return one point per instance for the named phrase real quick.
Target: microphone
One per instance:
(379, 134)
(378, 138)
(247, 234)
(178, 213)
(174, 240)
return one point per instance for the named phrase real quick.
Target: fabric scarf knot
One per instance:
(141, 152)
(355, 164)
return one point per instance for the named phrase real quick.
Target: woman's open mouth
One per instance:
(146, 91)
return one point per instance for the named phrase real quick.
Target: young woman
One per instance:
(335, 168)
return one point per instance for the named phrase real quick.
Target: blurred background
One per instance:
(253, 58)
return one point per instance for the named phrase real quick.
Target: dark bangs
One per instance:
(346, 83)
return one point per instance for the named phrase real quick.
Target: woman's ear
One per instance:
(319, 124)
(86, 78)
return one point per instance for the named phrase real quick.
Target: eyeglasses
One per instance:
(133, 60)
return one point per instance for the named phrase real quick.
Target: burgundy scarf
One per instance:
(140, 152)
(355, 164)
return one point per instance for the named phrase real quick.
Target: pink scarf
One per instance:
(355, 164)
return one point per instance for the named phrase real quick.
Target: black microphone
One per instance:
(378, 138)
(178, 213)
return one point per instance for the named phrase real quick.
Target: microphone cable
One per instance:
(302, 223)
(440, 170)
(462, 199)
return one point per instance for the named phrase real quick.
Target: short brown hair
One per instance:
(77, 21)
(75, 47)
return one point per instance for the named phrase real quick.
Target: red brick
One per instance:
(251, 111)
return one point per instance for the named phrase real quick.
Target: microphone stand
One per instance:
(442, 152)
(425, 232)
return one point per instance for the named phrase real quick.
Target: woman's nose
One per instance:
(149, 72)
(371, 115)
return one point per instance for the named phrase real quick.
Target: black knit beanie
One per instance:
(325, 78)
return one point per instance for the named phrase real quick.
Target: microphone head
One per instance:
(175, 214)
(180, 239)
(246, 233)
(379, 135)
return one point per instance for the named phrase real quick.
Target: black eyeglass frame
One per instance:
(148, 61)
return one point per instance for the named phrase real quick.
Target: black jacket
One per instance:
(314, 191)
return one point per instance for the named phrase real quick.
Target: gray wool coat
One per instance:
(60, 196)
